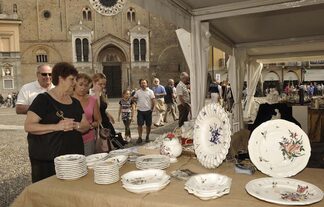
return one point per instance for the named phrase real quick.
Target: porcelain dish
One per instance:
(208, 186)
(279, 148)
(285, 191)
(212, 135)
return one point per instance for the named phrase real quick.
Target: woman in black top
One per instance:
(55, 122)
(99, 82)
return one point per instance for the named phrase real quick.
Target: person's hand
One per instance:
(66, 124)
(76, 125)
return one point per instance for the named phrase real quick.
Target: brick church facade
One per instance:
(126, 42)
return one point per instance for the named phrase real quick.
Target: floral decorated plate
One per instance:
(212, 135)
(284, 191)
(279, 148)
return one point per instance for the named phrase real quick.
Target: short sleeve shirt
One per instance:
(126, 108)
(168, 98)
(144, 99)
(183, 91)
(29, 91)
(50, 145)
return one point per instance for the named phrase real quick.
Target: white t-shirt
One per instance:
(29, 91)
(144, 99)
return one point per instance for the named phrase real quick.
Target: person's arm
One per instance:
(83, 125)
(181, 99)
(33, 126)
(132, 111)
(22, 104)
(119, 112)
(111, 118)
(154, 102)
(96, 117)
(21, 109)
(220, 91)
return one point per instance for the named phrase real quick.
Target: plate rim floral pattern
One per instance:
(302, 188)
(292, 148)
(214, 111)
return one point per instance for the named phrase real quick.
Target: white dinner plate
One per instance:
(96, 157)
(212, 135)
(284, 191)
(141, 177)
(279, 148)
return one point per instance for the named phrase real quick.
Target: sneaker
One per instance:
(139, 140)
(161, 124)
(156, 125)
(147, 139)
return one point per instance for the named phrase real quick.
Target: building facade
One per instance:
(9, 51)
(118, 38)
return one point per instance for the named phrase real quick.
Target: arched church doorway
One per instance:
(111, 58)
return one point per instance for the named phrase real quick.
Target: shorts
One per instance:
(144, 116)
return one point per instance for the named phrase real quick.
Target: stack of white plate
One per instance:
(95, 158)
(144, 181)
(120, 160)
(152, 162)
(208, 186)
(70, 167)
(106, 172)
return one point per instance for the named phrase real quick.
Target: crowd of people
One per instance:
(221, 92)
(310, 89)
(65, 110)
(299, 92)
(9, 101)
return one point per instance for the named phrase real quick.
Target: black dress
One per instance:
(105, 119)
(44, 148)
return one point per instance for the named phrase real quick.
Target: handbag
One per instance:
(118, 141)
(103, 142)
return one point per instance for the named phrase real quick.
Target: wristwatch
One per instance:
(108, 7)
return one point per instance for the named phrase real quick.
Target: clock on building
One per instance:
(108, 7)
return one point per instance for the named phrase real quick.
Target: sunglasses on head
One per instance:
(46, 74)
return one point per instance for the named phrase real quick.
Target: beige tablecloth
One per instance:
(84, 192)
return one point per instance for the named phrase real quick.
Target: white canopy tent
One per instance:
(250, 31)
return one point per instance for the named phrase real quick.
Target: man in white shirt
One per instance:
(29, 91)
(145, 103)
(183, 98)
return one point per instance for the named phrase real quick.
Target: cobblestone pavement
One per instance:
(14, 162)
